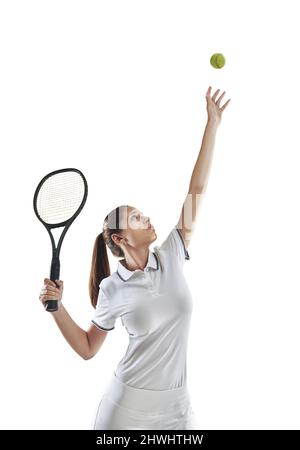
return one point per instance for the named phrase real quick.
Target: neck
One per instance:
(136, 260)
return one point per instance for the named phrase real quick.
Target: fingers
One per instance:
(49, 296)
(224, 106)
(50, 291)
(220, 98)
(57, 283)
(208, 91)
(215, 94)
(44, 298)
(49, 282)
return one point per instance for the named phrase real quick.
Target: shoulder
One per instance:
(173, 246)
(110, 284)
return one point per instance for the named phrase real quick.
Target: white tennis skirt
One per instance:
(124, 407)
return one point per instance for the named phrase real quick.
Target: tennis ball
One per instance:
(217, 60)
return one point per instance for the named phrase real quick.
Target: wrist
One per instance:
(59, 308)
(213, 123)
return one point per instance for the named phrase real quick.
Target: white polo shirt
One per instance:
(155, 306)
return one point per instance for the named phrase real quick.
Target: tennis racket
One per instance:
(58, 199)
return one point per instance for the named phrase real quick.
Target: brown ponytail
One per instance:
(100, 267)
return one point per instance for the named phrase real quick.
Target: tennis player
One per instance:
(149, 293)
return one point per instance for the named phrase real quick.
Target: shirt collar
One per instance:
(125, 274)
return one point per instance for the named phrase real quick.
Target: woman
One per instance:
(149, 293)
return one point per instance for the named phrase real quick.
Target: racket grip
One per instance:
(51, 305)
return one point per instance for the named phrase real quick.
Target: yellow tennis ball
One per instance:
(217, 60)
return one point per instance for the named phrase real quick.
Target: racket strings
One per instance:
(60, 196)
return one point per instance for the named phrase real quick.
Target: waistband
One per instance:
(145, 400)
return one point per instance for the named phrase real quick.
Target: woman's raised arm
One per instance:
(200, 174)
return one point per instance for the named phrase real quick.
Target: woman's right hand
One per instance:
(51, 292)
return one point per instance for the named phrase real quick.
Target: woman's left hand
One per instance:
(214, 111)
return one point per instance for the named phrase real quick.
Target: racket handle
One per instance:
(51, 305)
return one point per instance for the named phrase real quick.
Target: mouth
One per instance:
(150, 227)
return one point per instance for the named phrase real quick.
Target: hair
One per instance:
(100, 268)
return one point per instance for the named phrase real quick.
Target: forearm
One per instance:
(74, 335)
(202, 166)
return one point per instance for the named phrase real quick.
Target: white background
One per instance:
(117, 90)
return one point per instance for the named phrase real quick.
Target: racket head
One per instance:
(59, 197)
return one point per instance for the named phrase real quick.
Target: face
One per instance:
(139, 229)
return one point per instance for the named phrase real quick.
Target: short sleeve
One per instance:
(103, 318)
(175, 246)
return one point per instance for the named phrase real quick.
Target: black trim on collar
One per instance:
(187, 256)
(120, 276)
(157, 261)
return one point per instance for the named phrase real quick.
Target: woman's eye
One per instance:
(135, 215)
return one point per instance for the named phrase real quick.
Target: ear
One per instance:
(118, 239)
(115, 238)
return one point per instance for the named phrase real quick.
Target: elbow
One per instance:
(197, 189)
(87, 356)
(87, 353)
